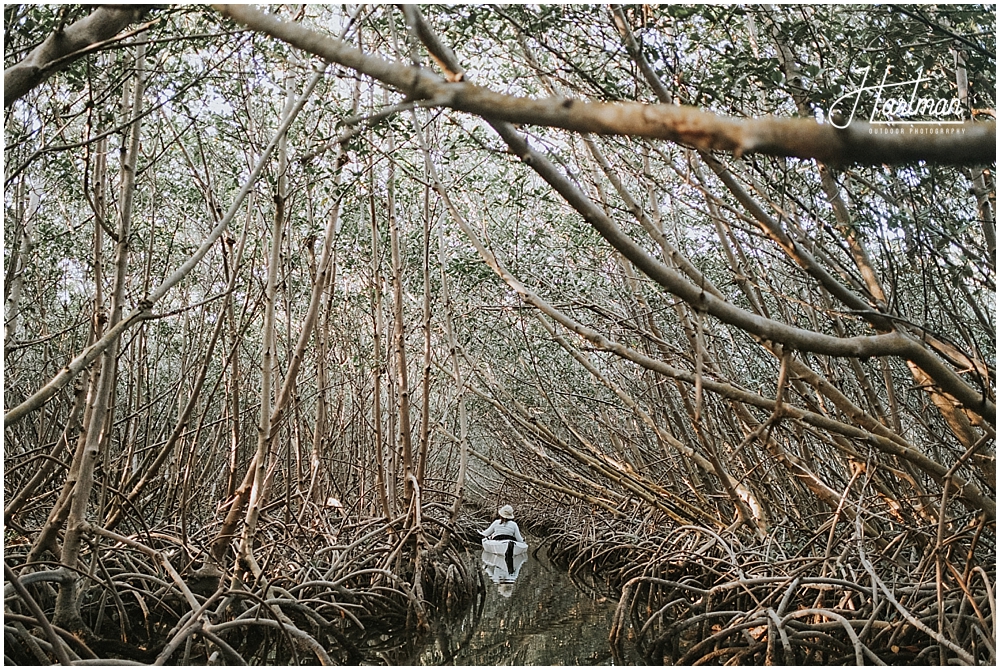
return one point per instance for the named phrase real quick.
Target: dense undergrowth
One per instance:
(834, 596)
(276, 299)
(373, 592)
(335, 593)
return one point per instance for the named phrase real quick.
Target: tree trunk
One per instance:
(67, 613)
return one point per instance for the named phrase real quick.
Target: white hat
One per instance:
(506, 512)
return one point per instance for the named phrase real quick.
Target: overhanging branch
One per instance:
(970, 143)
(55, 52)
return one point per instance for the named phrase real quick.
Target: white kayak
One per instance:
(497, 568)
(500, 546)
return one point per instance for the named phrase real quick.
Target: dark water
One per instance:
(541, 618)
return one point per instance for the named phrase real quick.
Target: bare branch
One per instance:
(143, 311)
(970, 143)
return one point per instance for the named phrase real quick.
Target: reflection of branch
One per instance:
(972, 143)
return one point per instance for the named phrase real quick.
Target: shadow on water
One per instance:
(532, 614)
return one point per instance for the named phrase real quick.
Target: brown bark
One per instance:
(381, 474)
(425, 372)
(261, 459)
(139, 481)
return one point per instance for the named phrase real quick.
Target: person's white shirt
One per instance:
(503, 527)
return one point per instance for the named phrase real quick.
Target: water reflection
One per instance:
(534, 616)
(502, 570)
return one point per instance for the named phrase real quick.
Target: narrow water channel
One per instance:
(541, 618)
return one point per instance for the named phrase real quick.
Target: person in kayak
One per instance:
(503, 528)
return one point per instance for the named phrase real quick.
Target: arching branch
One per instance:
(971, 143)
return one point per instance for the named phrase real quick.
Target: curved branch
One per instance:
(971, 143)
(888, 344)
(57, 644)
(102, 24)
(869, 431)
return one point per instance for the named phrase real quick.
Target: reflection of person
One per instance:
(499, 571)
(504, 528)
(506, 590)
